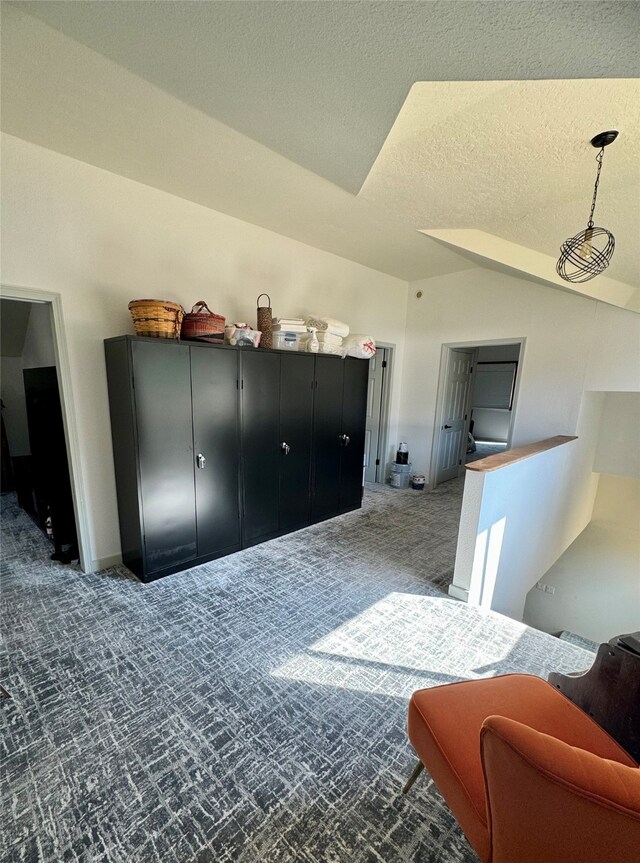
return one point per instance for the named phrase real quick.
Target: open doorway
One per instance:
(476, 404)
(36, 469)
(377, 425)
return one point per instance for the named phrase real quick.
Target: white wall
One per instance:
(520, 523)
(614, 352)
(516, 521)
(572, 344)
(101, 240)
(597, 580)
(618, 449)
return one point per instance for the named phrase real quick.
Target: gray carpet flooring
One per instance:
(252, 709)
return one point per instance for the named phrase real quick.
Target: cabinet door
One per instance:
(260, 443)
(162, 381)
(354, 410)
(327, 413)
(216, 437)
(296, 419)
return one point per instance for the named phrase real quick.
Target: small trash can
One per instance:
(400, 474)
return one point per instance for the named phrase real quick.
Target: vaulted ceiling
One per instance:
(278, 113)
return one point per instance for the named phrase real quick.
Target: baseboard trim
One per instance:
(458, 592)
(105, 562)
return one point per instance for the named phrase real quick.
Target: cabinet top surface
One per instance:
(221, 346)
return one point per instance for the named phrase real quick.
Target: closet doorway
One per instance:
(475, 410)
(39, 440)
(376, 430)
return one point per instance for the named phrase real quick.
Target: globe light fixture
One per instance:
(589, 253)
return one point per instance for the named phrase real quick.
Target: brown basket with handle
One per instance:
(160, 319)
(203, 325)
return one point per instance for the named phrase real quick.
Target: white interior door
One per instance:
(452, 440)
(373, 428)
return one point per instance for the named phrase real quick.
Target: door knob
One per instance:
(345, 440)
(200, 460)
(286, 449)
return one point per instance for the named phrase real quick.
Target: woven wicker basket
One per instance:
(161, 319)
(201, 324)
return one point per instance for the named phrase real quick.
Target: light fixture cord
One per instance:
(599, 159)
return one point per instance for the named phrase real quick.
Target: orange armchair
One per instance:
(528, 775)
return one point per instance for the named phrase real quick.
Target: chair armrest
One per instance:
(549, 802)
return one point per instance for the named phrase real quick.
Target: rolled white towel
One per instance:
(329, 339)
(330, 349)
(329, 325)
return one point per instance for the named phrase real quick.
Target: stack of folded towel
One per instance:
(330, 333)
(329, 344)
(289, 325)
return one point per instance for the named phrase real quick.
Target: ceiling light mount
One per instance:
(589, 253)
(603, 139)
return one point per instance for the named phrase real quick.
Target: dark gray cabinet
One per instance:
(162, 381)
(175, 431)
(339, 419)
(218, 448)
(260, 384)
(297, 379)
(277, 421)
(216, 437)
(354, 409)
(327, 428)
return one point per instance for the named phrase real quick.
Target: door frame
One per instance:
(385, 410)
(445, 360)
(72, 439)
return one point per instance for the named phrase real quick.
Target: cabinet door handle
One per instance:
(200, 460)
(286, 449)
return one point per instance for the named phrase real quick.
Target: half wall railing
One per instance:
(521, 509)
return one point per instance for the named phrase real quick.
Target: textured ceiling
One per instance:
(275, 112)
(514, 159)
(322, 82)
(61, 95)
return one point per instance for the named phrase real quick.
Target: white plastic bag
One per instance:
(358, 345)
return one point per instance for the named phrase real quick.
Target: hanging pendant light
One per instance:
(589, 253)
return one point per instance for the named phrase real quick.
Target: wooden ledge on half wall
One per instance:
(502, 459)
